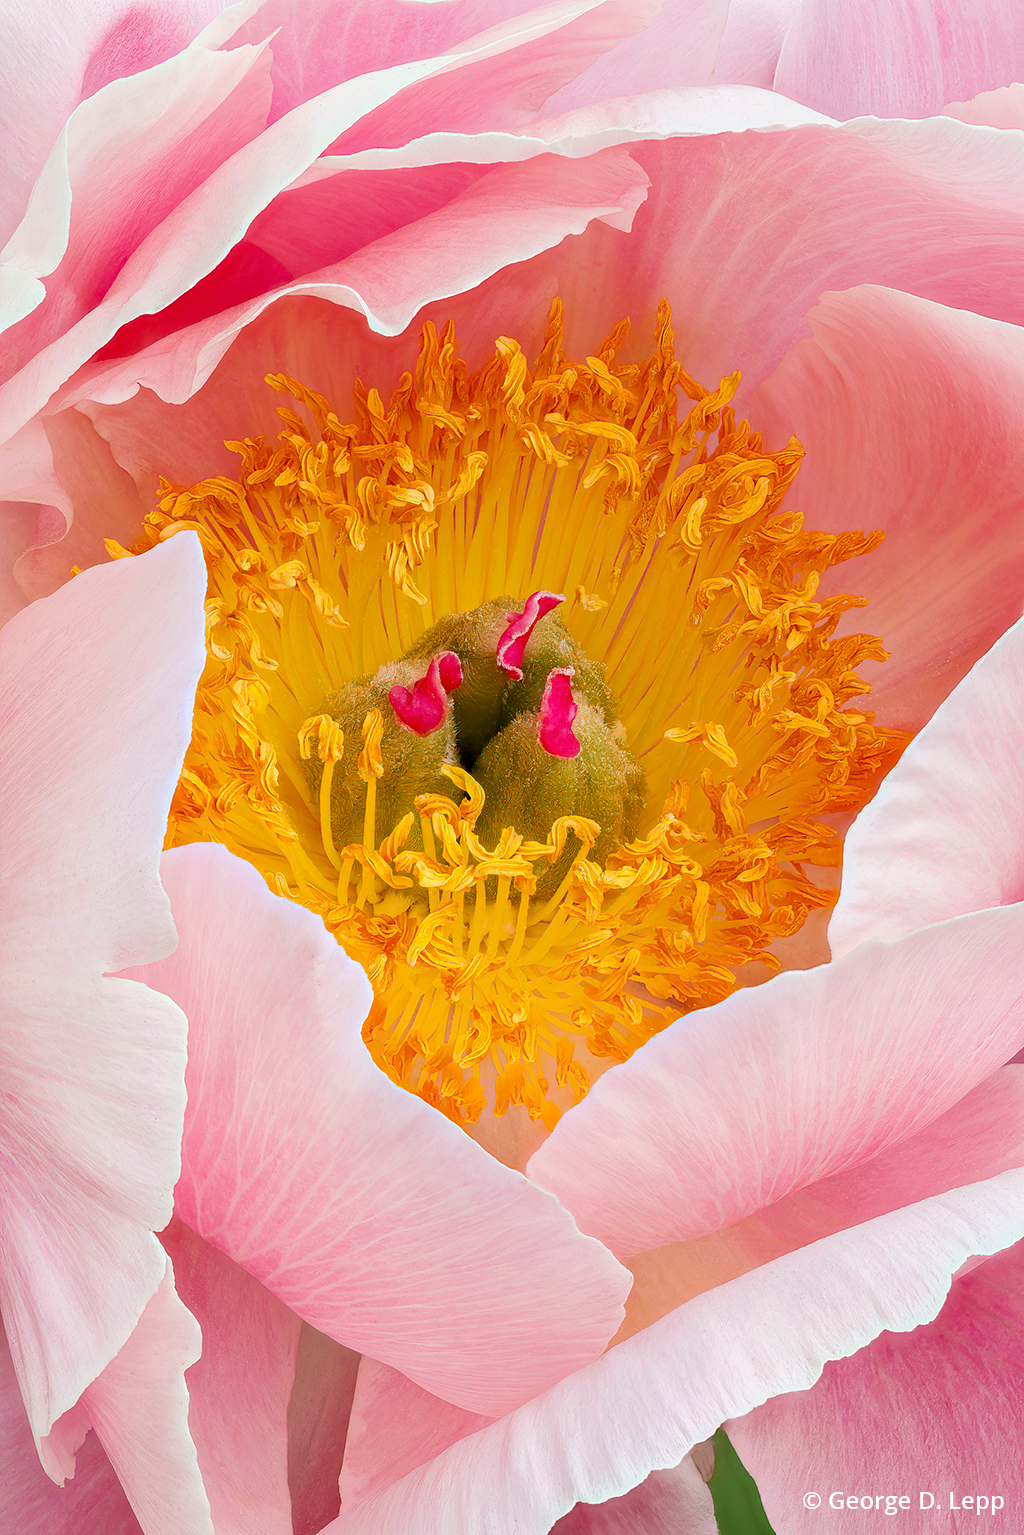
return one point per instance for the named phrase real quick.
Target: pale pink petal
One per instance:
(20, 293)
(322, 42)
(369, 1214)
(139, 1409)
(201, 229)
(40, 511)
(674, 1502)
(752, 41)
(97, 691)
(977, 1138)
(934, 208)
(509, 215)
(105, 499)
(318, 1418)
(905, 410)
(17, 530)
(667, 114)
(677, 49)
(945, 833)
(338, 207)
(240, 1387)
(506, 89)
(342, 209)
(643, 1405)
(344, 202)
(736, 1106)
(124, 160)
(61, 51)
(903, 58)
(396, 1426)
(947, 1400)
(1002, 108)
(92, 1504)
(325, 218)
(27, 472)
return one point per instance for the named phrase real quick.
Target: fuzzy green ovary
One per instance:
(491, 730)
(412, 763)
(528, 789)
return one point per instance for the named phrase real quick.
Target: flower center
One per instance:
(521, 682)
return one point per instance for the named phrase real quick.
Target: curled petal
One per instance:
(366, 1212)
(98, 684)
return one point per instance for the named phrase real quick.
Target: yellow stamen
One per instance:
(370, 767)
(329, 740)
(636, 492)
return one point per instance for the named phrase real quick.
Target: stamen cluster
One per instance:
(506, 957)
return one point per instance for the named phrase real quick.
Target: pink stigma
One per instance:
(557, 711)
(422, 708)
(520, 626)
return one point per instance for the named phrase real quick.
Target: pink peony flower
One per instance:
(793, 1176)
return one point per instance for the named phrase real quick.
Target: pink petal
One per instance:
(124, 161)
(396, 1426)
(39, 511)
(27, 472)
(674, 1502)
(504, 90)
(321, 42)
(328, 347)
(734, 1107)
(139, 1409)
(318, 1418)
(17, 529)
(105, 498)
(666, 114)
(946, 582)
(945, 833)
(745, 285)
(677, 49)
(369, 1214)
(946, 187)
(903, 58)
(647, 1401)
(55, 57)
(507, 216)
(239, 1389)
(92, 1504)
(345, 203)
(1002, 108)
(97, 687)
(330, 212)
(951, 1393)
(201, 229)
(977, 1138)
(752, 40)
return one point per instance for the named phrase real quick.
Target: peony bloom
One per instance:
(528, 679)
